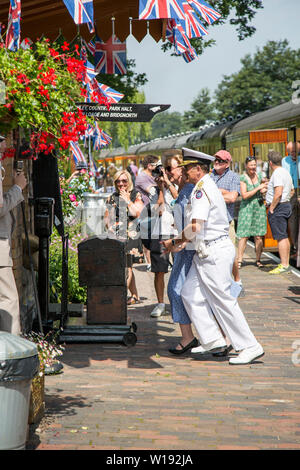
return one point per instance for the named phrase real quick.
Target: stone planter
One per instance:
(37, 403)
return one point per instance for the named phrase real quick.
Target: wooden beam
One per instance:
(47, 17)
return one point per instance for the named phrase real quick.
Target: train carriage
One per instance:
(253, 134)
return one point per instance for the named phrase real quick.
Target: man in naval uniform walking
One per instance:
(206, 292)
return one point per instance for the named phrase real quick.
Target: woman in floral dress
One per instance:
(123, 209)
(252, 220)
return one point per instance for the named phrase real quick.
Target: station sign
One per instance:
(122, 112)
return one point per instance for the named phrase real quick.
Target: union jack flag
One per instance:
(77, 153)
(112, 95)
(105, 138)
(205, 10)
(154, 9)
(193, 26)
(90, 72)
(110, 57)
(177, 36)
(189, 56)
(82, 11)
(95, 93)
(102, 139)
(13, 33)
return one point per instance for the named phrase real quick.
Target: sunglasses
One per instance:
(250, 159)
(218, 160)
(121, 181)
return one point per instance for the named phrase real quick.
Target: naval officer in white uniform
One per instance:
(206, 292)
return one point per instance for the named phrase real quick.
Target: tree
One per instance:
(202, 110)
(264, 80)
(167, 123)
(243, 12)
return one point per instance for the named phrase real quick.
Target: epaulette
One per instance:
(199, 187)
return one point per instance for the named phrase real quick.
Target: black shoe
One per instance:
(192, 344)
(223, 353)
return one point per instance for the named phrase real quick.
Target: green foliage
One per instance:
(72, 193)
(167, 123)
(264, 80)
(202, 111)
(241, 13)
(76, 294)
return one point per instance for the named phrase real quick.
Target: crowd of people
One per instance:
(156, 206)
(178, 215)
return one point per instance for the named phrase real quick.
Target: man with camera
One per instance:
(9, 298)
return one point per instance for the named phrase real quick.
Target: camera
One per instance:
(158, 170)
(19, 166)
(81, 166)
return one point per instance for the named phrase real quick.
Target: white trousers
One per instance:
(9, 302)
(208, 302)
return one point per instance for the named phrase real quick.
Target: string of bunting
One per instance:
(182, 24)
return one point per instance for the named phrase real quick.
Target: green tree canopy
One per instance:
(241, 13)
(264, 80)
(202, 110)
(167, 123)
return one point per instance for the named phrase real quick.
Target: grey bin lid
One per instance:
(15, 347)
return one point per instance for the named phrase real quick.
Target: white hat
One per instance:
(193, 156)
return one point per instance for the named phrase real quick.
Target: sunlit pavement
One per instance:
(114, 397)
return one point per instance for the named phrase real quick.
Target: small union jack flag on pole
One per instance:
(102, 139)
(208, 13)
(154, 9)
(112, 95)
(77, 153)
(82, 11)
(13, 33)
(189, 56)
(110, 56)
(176, 35)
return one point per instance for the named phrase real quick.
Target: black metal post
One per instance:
(43, 279)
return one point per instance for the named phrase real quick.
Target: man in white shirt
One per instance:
(206, 292)
(280, 190)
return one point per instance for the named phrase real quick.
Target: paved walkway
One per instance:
(114, 397)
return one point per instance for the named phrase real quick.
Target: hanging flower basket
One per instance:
(42, 86)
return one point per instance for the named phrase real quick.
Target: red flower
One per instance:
(65, 46)
(53, 53)
(27, 89)
(22, 78)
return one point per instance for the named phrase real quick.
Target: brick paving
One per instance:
(112, 397)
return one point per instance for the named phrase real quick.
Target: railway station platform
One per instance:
(113, 397)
